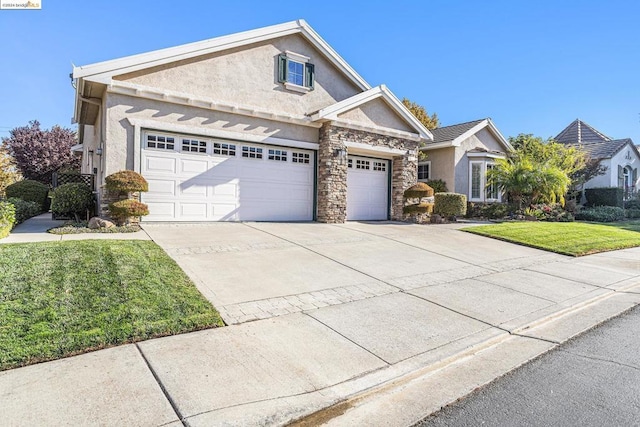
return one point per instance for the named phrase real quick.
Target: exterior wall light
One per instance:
(340, 153)
(99, 151)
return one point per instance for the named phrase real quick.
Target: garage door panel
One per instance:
(367, 189)
(217, 187)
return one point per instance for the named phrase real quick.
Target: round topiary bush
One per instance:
(418, 190)
(123, 210)
(126, 182)
(420, 208)
(72, 199)
(30, 191)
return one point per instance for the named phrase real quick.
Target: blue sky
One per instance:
(532, 66)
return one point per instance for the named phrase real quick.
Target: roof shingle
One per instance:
(449, 133)
(578, 132)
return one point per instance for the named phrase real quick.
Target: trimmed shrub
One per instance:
(605, 196)
(24, 209)
(122, 210)
(632, 213)
(126, 181)
(632, 204)
(450, 204)
(7, 218)
(72, 199)
(438, 185)
(30, 191)
(489, 210)
(418, 190)
(601, 214)
(418, 208)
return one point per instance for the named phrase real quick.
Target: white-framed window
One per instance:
(224, 149)
(251, 152)
(194, 146)
(300, 157)
(296, 71)
(279, 155)
(363, 164)
(424, 171)
(380, 166)
(161, 142)
(479, 190)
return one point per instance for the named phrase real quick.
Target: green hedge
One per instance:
(632, 213)
(605, 196)
(24, 209)
(601, 214)
(450, 204)
(438, 185)
(489, 210)
(7, 218)
(72, 199)
(31, 191)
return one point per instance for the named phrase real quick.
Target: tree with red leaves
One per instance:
(40, 152)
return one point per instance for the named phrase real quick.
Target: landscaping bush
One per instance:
(122, 210)
(601, 214)
(632, 213)
(632, 204)
(488, 210)
(31, 191)
(418, 208)
(605, 196)
(72, 199)
(450, 204)
(438, 185)
(549, 212)
(126, 181)
(24, 209)
(418, 190)
(7, 218)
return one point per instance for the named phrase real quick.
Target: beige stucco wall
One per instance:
(119, 145)
(247, 76)
(483, 139)
(442, 165)
(377, 113)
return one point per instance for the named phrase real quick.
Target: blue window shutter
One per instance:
(310, 75)
(282, 68)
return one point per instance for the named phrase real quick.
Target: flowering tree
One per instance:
(40, 152)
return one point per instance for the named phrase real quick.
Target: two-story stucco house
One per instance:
(268, 124)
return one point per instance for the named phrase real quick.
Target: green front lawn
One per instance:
(63, 298)
(568, 238)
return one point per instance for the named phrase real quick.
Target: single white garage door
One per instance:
(203, 179)
(367, 188)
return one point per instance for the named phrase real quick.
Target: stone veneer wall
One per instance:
(332, 171)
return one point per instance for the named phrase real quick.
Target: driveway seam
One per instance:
(479, 279)
(325, 256)
(173, 404)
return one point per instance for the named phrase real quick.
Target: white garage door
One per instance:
(367, 188)
(201, 179)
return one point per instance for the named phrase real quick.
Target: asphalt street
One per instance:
(592, 380)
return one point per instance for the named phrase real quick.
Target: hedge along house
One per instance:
(620, 156)
(461, 155)
(269, 124)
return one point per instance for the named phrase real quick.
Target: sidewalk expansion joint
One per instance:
(325, 256)
(162, 387)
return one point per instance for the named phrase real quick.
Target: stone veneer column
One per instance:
(404, 175)
(332, 177)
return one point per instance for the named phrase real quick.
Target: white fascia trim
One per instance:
(486, 155)
(435, 146)
(331, 112)
(499, 135)
(381, 151)
(218, 133)
(104, 71)
(477, 128)
(147, 92)
(377, 129)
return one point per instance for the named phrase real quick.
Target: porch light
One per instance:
(99, 151)
(340, 153)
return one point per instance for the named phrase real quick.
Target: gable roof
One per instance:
(332, 111)
(606, 149)
(103, 71)
(453, 135)
(578, 132)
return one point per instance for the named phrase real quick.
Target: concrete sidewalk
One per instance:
(386, 321)
(35, 230)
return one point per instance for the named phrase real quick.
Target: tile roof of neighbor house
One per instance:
(596, 144)
(449, 133)
(578, 132)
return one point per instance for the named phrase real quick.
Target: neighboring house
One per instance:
(619, 156)
(268, 124)
(461, 154)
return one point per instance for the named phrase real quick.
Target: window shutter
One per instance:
(635, 177)
(310, 75)
(282, 68)
(620, 177)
